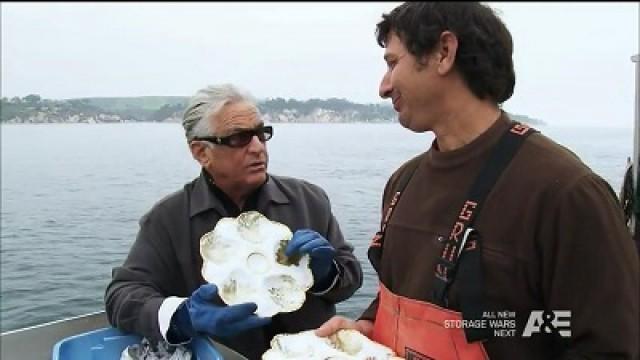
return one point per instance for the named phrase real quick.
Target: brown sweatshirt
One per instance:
(553, 238)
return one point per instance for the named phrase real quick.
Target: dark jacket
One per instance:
(165, 258)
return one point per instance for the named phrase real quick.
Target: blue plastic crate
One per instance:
(108, 344)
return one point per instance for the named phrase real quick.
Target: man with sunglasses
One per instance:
(159, 291)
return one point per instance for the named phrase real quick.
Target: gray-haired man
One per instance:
(159, 291)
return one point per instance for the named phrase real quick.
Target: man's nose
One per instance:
(255, 145)
(385, 87)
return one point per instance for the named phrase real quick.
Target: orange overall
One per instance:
(424, 330)
(417, 330)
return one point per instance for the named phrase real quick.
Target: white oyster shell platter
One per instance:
(344, 345)
(244, 257)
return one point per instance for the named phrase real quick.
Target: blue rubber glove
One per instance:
(322, 253)
(199, 314)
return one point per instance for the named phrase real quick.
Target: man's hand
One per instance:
(307, 241)
(199, 314)
(339, 322)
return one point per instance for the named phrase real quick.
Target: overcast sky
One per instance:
(572, 59)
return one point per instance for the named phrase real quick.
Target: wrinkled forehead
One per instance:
(238, 115)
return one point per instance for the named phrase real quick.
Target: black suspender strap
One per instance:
(375, 249)
(464, 241)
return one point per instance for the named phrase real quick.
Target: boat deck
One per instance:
(36, 342)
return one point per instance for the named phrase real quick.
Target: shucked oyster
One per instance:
(344, 345)
(244, 257)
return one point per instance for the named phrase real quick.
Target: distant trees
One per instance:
(10, 108)
(32, 99)
(159, 109)
(33, 104)
(167, 111)
(303, 108)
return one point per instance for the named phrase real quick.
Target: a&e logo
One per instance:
(557, 321)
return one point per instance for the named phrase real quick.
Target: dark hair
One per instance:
(485, 46)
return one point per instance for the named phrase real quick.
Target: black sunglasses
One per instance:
(241, 138)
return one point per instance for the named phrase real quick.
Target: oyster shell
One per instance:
(345, 344)
(244, 257)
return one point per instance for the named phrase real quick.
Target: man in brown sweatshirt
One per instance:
(540, 265)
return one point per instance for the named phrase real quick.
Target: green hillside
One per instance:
(32, 108)
(143, 102)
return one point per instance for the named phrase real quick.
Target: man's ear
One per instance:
(198, 151)
(446, 53)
